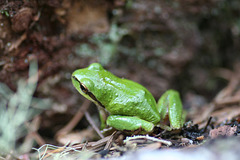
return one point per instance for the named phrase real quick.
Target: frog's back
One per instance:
(129, 98)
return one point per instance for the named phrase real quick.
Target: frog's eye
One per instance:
(83, 88)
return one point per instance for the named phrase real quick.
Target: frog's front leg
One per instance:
(129, 123)
(170, 104)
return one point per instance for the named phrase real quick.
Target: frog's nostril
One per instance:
(74, 77)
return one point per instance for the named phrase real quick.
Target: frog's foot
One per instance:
(129, 123)
(168, 128)
(165, 127)
(107, 130)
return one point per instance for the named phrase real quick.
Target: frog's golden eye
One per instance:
(83, 88)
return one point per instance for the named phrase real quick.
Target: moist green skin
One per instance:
(126, 99)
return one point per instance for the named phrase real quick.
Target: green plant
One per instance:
(16, 109)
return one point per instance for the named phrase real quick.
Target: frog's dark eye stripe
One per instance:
(75, 79)
(86, 91)
(94, 98)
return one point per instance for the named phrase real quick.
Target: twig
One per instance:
(208, 122)
(88, 117)
(208, 109)
(32, 131)
(74, 121)
(93, 146)
(17, 43)
(147, 137)
(108, 145)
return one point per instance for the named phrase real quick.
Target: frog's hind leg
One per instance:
(129, 123)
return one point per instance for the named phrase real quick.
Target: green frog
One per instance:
(130, 105)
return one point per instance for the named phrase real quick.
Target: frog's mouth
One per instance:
(85, 90)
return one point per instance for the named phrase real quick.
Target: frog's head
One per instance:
(85, 81)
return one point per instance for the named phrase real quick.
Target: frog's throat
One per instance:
(93, 98)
